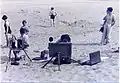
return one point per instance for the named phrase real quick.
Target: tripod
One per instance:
(15, 49)
(58, 55)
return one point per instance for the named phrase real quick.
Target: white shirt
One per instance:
(109, 19)
(7, 23)
(26, 38)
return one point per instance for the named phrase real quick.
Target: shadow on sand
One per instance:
(4, 46)
(86, 44)
(3, 59)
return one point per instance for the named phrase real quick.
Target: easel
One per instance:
(15, 49)
(10, 56)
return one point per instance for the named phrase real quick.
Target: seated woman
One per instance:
(44, 54)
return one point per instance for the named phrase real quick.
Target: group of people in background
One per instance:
(109, 21)
(12, 42)
(24, 28)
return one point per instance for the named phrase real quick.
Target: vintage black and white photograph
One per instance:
(59, 41)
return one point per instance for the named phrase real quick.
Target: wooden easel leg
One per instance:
(47, 62)
(27, 56)
(59, 62)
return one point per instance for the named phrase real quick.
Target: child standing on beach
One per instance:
(52, 15)
(24, 33)
(24, 28)
(6, 27)
(109, 21)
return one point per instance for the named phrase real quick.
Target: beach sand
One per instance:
(81, 20)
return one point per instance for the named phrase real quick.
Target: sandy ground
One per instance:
(81, 20)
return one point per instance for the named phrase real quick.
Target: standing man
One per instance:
(6, 27)
(109, 21)
(52, 15)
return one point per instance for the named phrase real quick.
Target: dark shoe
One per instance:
(17, 59)
(37, 58)
(45, 58)
(14, 63)
(107, 42)
(104, 43)
(116, 51)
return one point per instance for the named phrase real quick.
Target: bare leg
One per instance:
(108, 33)
(8, 60)
(53, 23)
(6, 38)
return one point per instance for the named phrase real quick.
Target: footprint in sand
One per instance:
(65, 22)
(36, 51)
(3, 59)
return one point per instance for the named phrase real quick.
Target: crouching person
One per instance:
(45, 53)
(13, 43)
(20, 44)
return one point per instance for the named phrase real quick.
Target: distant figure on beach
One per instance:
(52, 15)
(6, 27)
(109, 21)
